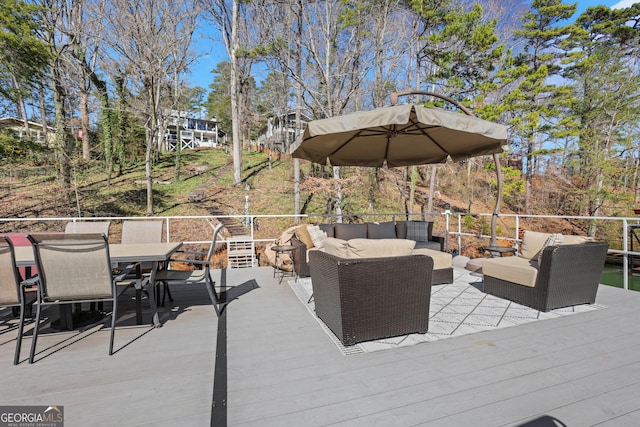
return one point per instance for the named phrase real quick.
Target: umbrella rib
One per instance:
(357, 134)
(422, 132)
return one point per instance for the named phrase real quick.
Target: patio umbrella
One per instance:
(401, 135)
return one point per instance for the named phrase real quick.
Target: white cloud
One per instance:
(624, 3)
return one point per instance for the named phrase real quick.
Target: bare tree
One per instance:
(225, 15)
(332, 40)
(56, 16)
(152, 39)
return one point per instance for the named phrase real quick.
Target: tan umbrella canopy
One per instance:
(399, 135)
(403, 135)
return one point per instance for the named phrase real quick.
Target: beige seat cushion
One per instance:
(475, 265)
(379, 248)
(440, 259)
(512, 269)
(368, 248)
(335, 247)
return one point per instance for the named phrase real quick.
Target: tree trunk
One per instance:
(65, 146)
(432, 188)
(147, 169)
(338, 188)
(235, 102)
(412, 188)
(84, 118)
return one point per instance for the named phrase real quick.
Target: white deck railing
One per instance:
(454, 226)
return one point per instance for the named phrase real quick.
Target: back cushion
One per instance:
(328, 229)
(302, 233)
(336, 247)
(420, 231)
(532, 243)
(571, 239)
(401, 229)
(350, 231)
(382, 230)
(379, 248)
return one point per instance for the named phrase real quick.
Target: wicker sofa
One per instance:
(547, 276)
(418, 231)
(362, 298)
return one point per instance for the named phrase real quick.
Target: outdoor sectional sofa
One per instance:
(551, 271)
(361, 293)
(419, 232)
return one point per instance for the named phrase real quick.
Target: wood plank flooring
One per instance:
(281, 369)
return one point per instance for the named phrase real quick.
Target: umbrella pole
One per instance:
(494, 217)
(496, 210)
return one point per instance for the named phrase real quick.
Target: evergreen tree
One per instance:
(531, 102)
(603, 101)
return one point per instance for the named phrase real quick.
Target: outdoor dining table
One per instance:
(156, 253)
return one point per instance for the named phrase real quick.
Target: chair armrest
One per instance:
(439, 239)
(30, 282)
(190, 252)
(190, 261)
(125, 272)
(579, 264)
(300, 265)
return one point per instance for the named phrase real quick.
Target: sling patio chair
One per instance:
(72, 268)
(144, 231)
(75, 227)
(200, 275)
(11, 294)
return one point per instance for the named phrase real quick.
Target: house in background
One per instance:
(192, 132)
(280, 132)
(36, 132)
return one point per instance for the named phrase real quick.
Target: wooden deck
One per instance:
(266, 362)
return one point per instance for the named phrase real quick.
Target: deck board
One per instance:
(283, 370)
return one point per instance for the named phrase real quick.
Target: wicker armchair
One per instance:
(567, 275)
(371, 298)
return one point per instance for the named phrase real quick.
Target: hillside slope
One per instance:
(205, 187)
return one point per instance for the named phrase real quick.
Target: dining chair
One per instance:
(11, 294)
(141, 231)
(200, 275)
(72, 268)
(144, 231)
(88, 227)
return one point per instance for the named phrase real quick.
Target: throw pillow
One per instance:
(318, 236)
(554, 239)
(419, 231)
(302, 233)
(381, 230)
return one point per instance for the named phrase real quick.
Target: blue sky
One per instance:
(213, 52)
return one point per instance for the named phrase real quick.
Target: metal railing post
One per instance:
(625, 255)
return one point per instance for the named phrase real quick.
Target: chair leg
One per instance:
(36, 326)
(113, 322)
(167, 291)
(159, 299)
(16, 357)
